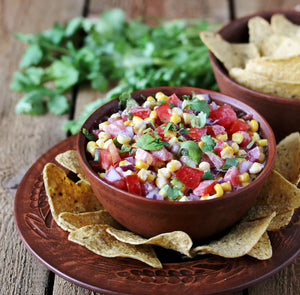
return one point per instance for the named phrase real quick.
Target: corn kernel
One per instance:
(262, 157)
(91, 146)
(242, 153)
(237, 137)
(222, 137)
(104, 136)
(115, 116)
(128, 172)
(151, 99)
(150, 176)
(170, 134)
(124, 163)
(173, 165)
(227, 152)
(256, 168)
(138, 124)
(253, 125)
(262, 142)
(184, 104)
(201, 144)
(255, 136)
(160, 96)
(245, 184)
(244, 177)
(107, 143)
(219, 190)
(235, 147)
(123, 139)
(165, 172)
(101, 175)
(143, 174)
(161, 181)
(204, 166)
(200, 97)
(101, 125)
(177, 111)
(205, 197)
(175, 119)
(100, 143)
(187, 118)
(127, 123)
(183, 199)
(173, 140)
(153, 115)
(141, 165)
(163, 191)
(226, 186)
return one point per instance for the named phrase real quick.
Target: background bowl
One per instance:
(282, 113)
(200, 219)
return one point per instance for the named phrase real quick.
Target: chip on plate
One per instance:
(262, 250)
(177, 240)
(99, 241)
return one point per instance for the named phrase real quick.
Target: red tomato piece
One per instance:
(238, 125)
(114, 151)
(133, 184)
(113, 177)
(232, 176)
(189, 176)
(205, 187)
(225, 114)
(161, 132)
(140, 112)
(219, 147)
(196, 133)
(164, 112)
(253, 155)
(246, 138)
(213, 159)
(105, 159)
(144, 156)
(215, 130)
(162, 154)
(174, 99)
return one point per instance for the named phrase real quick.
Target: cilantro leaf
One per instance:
(229, 162)
(207, 175)
(127, 100)
(89, 135)
(209, 143)
(192, 149)
(58, 104)
(199, 120)
(172, 192)
(32, 56)
(150, 142)
(177, 183)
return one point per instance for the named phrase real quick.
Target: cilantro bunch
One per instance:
(111, 50)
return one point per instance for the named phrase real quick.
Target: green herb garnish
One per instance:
(209, 143)
(199, 120)
(229, 162)
(150, 142)
(192, 150)
(89, 135)
(207, 175)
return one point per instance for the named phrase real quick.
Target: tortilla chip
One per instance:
(282, 26)
(263, 84)
(177, 240)
(277, 195)
(231, 55)
(70, 160)
(259, 30)
(240, 240)
(96, 239)
(287, 161)
(262, 250)
(281, 220)
(73, 221)
(66, 196)
(286, 69)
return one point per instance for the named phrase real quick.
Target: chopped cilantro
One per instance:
(177, 183)
(170, 126)
(171, 192)
(125, 149)
(117, 144)
(209, 143)
(207, 175)
(127, 100)
(192, 149)
(89, 135)
(250, 144)
(150, 142)
(229, 162)
(199, 120)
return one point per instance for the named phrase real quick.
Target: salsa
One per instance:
(177, 148)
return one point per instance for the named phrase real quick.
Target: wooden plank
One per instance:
(23, 138)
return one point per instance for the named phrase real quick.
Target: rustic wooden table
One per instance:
(25, 138)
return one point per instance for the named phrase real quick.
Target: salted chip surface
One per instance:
(282, 26)
(262, 250)
(280, 220)
(177, 240)
(70, 160)
(284, 69)
(230, 54)
(66, 196)
(240, 240)
(263, 84)
(277, 195)
(259, 30)
(73, 221)
(99, 241)
(287, 161)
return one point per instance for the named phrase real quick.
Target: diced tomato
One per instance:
(219, 147)
(140, 112)
(246, 138)
(144, 156)
(205, 187)
(253, 155)
(162, 154)
(104, 158)
(114, 151)
(213, 159)
(215, 130)
(133, 184)
(238, 125)
(113, 177)
(189, 176)
(114, 128)
(164, 112)
(232, 176)
(225, 114)
(196, 133)
(161, 132)
(174, 99)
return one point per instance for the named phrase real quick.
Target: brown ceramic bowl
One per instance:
(200, 219)
(281, 113)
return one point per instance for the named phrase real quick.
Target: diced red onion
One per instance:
(149, 186)
(128, 130)
(192, 197)
(130, 159)
(112, 175)
(175, 148)
(154, 195)
(187, 161)
(244, 166)
(128, 167)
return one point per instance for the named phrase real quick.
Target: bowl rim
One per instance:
(223, 72)
(265, 172)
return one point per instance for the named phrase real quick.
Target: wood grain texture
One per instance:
(23, 138)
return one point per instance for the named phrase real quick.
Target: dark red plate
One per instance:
(205, 275)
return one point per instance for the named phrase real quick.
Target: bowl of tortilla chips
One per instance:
(257, 59)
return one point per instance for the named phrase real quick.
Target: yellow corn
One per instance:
(107, 143)
(244, 177)
(138, 124)
(104, 136)
(175, 119)
(237, 137)
(123, 139)
(200, 97)
(255, 136)
(101, 125)
(253, 125)
(160, 96)
(161, 181)
(151, 99)
(177, 111)
(219, 190)
(262, 157)
(201, 144)
(127, 123)
(227, 152)
(153, 115)
(91, 146)
(101, 175)
(226, 186)
(263, 142)
(187, 118)
(165, 172)
(173, 140)
(245, 184)
(124, 163)
(143, 174)
(204, 166)
(170, 134)
(255, 168)
(205, 197)
(150, 176)
(222, 137)
(235, 147)
(173, 165)
(141, 165)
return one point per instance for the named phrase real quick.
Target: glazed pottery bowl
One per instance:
(283, 114)
(148, 217)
